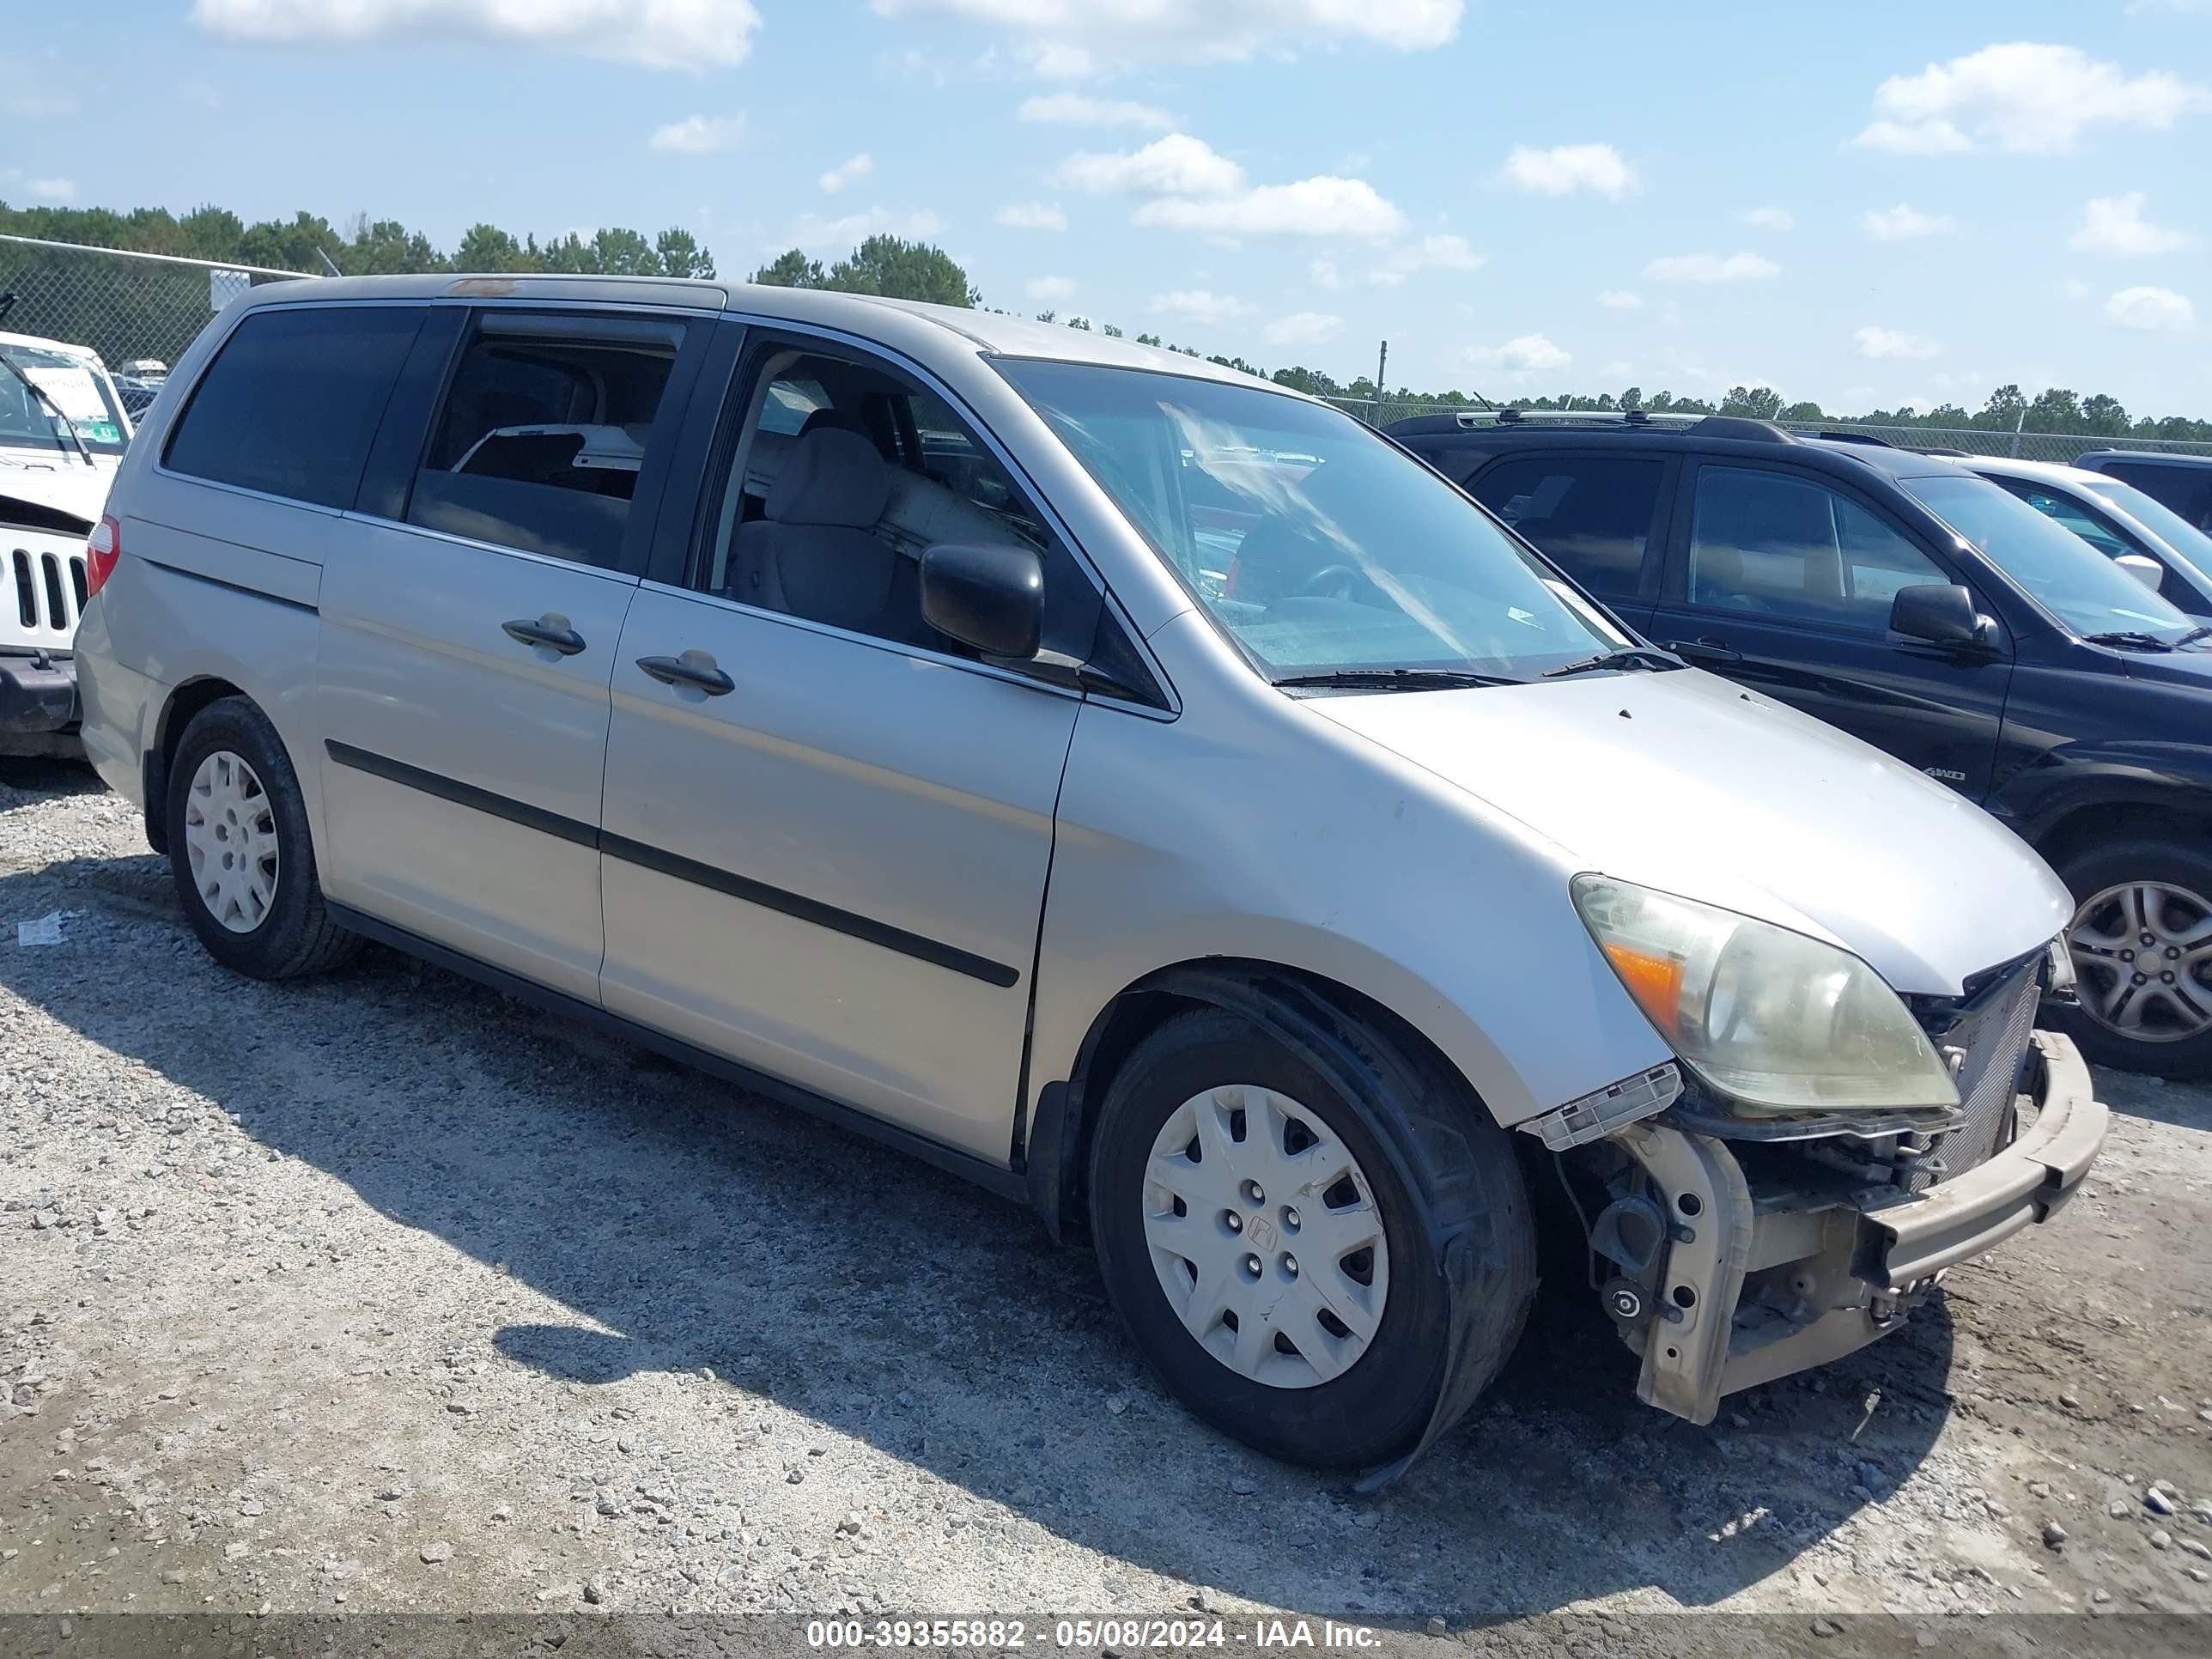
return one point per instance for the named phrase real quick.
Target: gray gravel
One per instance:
(382, 1293)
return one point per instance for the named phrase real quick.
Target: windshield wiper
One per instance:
(2194, 634)
(1634, 656)
(1396, 679)
(2129, 640)
(40, 392)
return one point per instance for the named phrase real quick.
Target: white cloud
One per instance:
(1437, 252)
(1072, 109)
(814, 234)
(2115, 224)
(2022, 96)
(1621, 299)
(856, 167)
(1305, 328)
(1322, 206)
(1567, 168)
(1195, 187)
(1050, 288)
(1903, 222)
(670, 35)
(1323, 274)
(53, 189)
(1177, 165)
(1712, 268)
(1031, 215)
(1771, 218)
(699, 135)
(2150, 308)
(2075, 289)
(1198, 304)
(1067, 38)
(1523, 354)
(1881, 342)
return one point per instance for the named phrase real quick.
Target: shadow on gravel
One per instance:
(25, 781)
(2155, 1099)
(897, 1306)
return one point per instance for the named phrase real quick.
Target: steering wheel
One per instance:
(1336, 581)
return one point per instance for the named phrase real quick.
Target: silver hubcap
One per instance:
(2142, 960)
(230, 838)
(1266, 1237)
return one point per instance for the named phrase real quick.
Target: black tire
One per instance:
(2184, 864)
(296, 935)
(1437, 1166)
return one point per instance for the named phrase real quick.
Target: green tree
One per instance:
(792, 268)
(489, 248)
(2002, 411)
(1760, 403)
(681, 256)
(900, 270)
(2104, 416)
(1148, 339)
(2055, 409)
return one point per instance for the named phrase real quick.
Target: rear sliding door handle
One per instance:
(694, 668)
(1704, 651)
(550, 630)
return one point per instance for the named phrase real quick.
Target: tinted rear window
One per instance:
(1590, 514)
(291, 403)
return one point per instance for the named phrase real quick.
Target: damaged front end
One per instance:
(1739, 1248)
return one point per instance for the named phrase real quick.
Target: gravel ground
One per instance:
(383, 1293)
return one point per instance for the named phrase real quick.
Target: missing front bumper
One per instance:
(1754, 1288)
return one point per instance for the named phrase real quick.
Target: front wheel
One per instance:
(238, 848)
(2141, 944)
(1272, 1231)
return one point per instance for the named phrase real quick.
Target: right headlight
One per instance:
(1775, 1021)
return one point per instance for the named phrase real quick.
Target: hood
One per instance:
(64, 483)
(1681, 781)
(2191, 666)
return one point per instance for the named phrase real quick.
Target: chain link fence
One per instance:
(129, 308)
(2065, 448)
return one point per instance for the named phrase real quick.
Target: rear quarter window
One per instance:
(291, 401)
(1590, 514)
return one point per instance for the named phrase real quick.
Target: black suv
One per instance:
(2184, 482)
(1925, 610)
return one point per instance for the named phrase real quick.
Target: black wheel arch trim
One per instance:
(675, 866)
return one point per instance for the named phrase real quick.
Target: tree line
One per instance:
(157, 313)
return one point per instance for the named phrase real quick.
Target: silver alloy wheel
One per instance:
(1266, 1237)
(2142, 960)
(230, 838)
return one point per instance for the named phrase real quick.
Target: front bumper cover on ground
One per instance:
(1756, 1286)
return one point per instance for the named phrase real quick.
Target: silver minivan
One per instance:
(1138, 788)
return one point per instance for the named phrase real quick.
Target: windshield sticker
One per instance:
(73, 391)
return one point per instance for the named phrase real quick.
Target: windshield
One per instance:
(2175, 531)
(2078, 585)
(73, 388)
(1317, 545)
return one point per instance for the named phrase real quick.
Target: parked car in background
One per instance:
(62, 429)
(2184, 482)
(1143, 789)
(139, 382)
(2119, 521)
(1913, 602)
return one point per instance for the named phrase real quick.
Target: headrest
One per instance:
(830, 476)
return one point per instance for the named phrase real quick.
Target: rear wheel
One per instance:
(1272, 1229)
(238, 848)
(2141, 944)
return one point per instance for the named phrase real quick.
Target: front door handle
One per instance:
(1712, 651)
(694, 668)
(551, 631)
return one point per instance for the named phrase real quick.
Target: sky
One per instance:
(1866, 206)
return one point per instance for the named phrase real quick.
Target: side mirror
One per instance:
(988, 596)
(2144, 569)
(1939, 613)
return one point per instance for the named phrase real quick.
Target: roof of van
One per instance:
(908, 322)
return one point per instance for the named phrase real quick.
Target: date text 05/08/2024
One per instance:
(1120, 1634)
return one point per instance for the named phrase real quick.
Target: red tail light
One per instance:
(100, 554)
